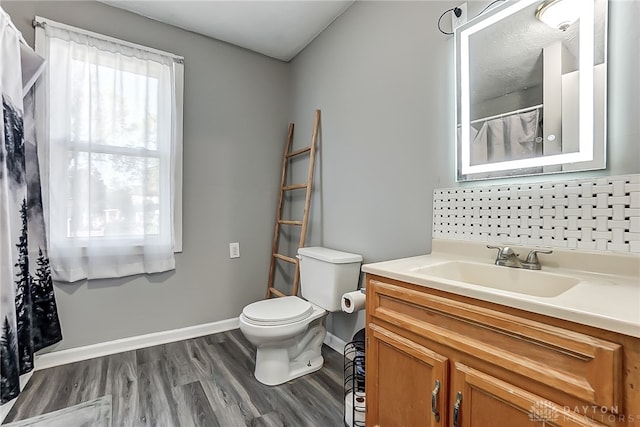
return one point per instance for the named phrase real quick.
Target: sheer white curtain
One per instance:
(110, 116)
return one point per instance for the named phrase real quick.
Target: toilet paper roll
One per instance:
(353, 301)
(360, 407)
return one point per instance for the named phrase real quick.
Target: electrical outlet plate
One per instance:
(461, 20)
(234, 250)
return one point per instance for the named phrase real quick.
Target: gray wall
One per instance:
(235, 121)
(383, 76)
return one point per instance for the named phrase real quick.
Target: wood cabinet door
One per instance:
(479, 400)
(407, 384)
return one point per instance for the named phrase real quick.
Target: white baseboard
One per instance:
(335, 342)
(77, 354)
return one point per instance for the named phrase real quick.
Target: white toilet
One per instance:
(289, 331)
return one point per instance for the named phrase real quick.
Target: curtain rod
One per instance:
(509, 113)
(39, 22)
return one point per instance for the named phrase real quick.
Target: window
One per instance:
(110, 147)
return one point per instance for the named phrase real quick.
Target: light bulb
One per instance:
(559, 14)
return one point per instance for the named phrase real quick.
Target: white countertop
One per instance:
(607, 295)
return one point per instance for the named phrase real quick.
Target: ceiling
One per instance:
(278, 29)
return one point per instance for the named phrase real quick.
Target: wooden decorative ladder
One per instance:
(275, 256)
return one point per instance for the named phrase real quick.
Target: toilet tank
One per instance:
(326, 274)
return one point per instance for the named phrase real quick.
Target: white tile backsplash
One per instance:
(601, 214)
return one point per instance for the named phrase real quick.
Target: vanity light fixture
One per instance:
(559, 14)
(585, 113)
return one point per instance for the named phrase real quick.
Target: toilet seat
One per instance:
(277, 311)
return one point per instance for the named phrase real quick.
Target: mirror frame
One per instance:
(588, 153)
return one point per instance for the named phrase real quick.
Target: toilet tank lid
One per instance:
(329, 255)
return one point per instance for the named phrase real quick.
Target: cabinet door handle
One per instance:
(456, 410)
(434, 401)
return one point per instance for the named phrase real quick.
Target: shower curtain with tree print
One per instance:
(28, 313)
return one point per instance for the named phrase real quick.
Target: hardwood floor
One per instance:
(205, 381)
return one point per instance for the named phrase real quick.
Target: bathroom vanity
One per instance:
(447, 347)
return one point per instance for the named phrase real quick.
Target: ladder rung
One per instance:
(285, 258)
(293, 187)
(289, 222)
(300, 151)
(276, 292)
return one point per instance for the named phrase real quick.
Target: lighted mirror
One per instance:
(531, 96)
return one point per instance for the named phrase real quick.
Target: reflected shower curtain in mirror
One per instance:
(510, 137)
(28, 309)
(513, 137)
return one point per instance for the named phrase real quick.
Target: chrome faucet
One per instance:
(508, 258)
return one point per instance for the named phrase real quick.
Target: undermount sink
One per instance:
(529, 282)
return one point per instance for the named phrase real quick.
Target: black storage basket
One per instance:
(354, 381)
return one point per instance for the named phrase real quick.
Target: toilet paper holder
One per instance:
(353, 301)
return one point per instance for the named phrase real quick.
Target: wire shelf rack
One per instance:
(354, 382)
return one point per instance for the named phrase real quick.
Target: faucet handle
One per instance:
(532, 262)
(503, 251)
(533, 255)
(499, 248)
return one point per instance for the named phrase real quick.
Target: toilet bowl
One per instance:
(288, 332)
